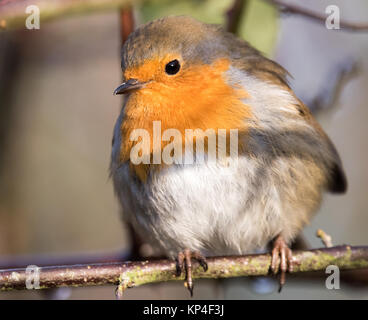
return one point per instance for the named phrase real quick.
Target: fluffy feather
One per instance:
(235, 207)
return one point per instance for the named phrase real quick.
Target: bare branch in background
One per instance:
(133, 274)
(12, 12)
(234, 14)
(13, 15)
(297, 10)
(126, 23)
(332, 88)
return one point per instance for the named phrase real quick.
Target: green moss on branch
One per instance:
(132, 274)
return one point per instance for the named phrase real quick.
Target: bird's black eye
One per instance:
(172, 67)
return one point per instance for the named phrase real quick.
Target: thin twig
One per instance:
(234, 14)
(13, 12)
(126, 23)
(45, 260)
(331, 90)
(297, 10)
(132, 274)
(326, 238)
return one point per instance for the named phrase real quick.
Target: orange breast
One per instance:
(197, 98)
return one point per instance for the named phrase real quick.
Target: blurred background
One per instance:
(57, 113)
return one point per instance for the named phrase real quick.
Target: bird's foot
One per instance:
(184, 263)
(281, 250)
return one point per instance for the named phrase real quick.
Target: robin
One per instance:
(189, 76)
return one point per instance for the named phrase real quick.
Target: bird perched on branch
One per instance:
(180, 76)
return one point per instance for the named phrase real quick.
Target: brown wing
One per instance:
(337, 179)
(250, 60)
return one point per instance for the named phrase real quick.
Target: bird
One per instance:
(188, 76)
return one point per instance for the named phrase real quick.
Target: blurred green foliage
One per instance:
(260, 26)
(259, 20)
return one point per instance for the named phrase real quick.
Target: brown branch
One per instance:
(132, 274)
(12, 12)
(126, 23)
(43, 260)
(334, 85)
(297, 10)
(234, 14)
(325, 238)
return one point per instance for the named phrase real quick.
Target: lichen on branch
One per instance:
(133, 274)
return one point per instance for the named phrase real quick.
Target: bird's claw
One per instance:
(184, 263)
(281, 250)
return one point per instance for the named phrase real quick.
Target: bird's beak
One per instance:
(127, 86)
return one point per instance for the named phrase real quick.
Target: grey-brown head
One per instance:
(184, 41)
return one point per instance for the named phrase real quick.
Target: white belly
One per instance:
(219, 209)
